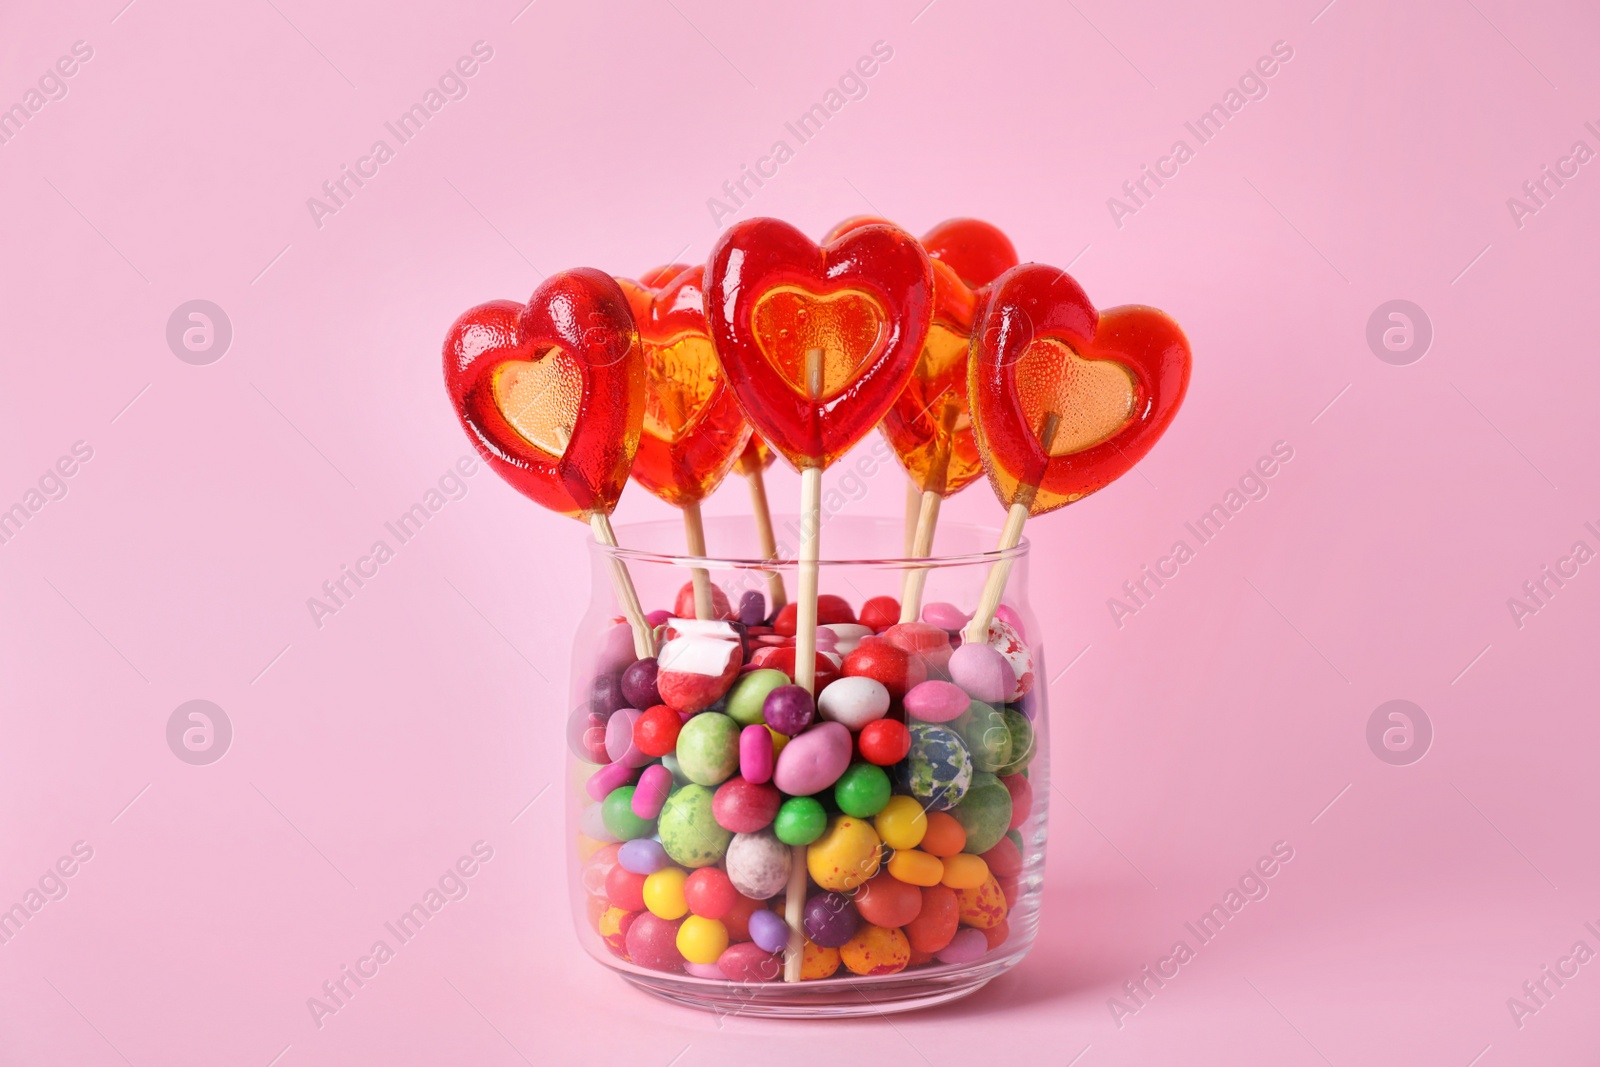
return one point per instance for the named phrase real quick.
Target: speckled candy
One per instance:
(854, 702)
(689, 830)
(846, 855)
(983, 672)
(938, 769)
(936, 701)
(813, 761)
(876, 950)
(758, 864)
(984, 906)
(708, 748)
(1008, 642)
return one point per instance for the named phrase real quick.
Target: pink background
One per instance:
(1224, 716)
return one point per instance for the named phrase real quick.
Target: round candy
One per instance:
(818, 962)
(708, 748)
(749, 962)
(609, 777)
(625, 889)
(887, 901)
(621, 822)
(982, 671)
(615, 649)
(876, 950)
(597, 868)
(830, 919)
(1008, 642)
(983, 907)
(884, 742)
(586, 734)
(768, 930)
(938, 769)
(846, 855)
(605, 692)
(710, 892)
(758, 864)
(964, 947)
(830, 609)
(655, 785)
(642, 856)
(936, 701)
(800, 821)
(946, 617)
(689, 830)
(619, 738)
(984, 812)
(897, 669)
(738, 918)
(988, 738)
(788, 709)
(655, 732)
(846, 636)
(639, 683)
(749, 693)
(1022, 742)
(854, 702)
(945, 835)
(592, 823)
(997, 934)
(880, 613)
(1003, 861)
(712, 971)
(915, 867)
(901, 823)
(683, 606)
(814, 760)
(702, 940)
(612, 926)
(663, 893)
(745, 807)
(862, 790)
(1021, 791)
(937, 922)
(653, 943)
(655, 618)
(752, 607)
(755, 753)
(929, 642)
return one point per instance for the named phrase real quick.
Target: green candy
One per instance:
(983, 728)
(749, 693)
(800, 821)
(616, 811)
(689, 831)
(708, 748)
(862, 790)
(984, 812)
(1022, 742)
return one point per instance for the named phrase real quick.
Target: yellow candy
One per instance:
(778, 741)
(916, 868)
(663, 893)
(876, 950)
(847, 854)
(983, 907)
(702, 940)
(965, 871)
(818, 962)
(901, 823)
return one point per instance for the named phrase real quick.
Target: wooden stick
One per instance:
(928, 517)
(644, 642)
(694, 532)
(994, 587)
(913, 517)
(769, 544)
(805, 660)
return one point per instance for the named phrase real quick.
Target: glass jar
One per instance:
(977, 784)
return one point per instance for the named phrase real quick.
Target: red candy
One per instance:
(884, 742)
(745, 807)
(738, 918)
(782, 659)
(1021, 791)
(830, 609)
(924, 639)
(683, 606)
(710, 893)
(655, 733)
(896, 668)
(1004, 860)
(653, 942)
(552, 392)
(880, 613)
(625, 889)
(748, 962)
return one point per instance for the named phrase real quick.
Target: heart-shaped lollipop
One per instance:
(552, 392)
(817, 341)
(1065, 401)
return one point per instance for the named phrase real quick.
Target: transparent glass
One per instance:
(861, 561)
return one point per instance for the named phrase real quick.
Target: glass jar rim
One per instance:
(673, 527)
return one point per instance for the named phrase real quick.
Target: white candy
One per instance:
(697, 655)
(849, 635)
(853, 702)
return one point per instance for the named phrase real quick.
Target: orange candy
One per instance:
(817, 962)
(937, 922)
(945, 836)
(876, 950)
(887, 901)
(983, 907)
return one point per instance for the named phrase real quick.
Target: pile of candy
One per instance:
(906, 776)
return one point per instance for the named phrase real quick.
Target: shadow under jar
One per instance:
(904, 813)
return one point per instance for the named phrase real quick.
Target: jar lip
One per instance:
(672, 527)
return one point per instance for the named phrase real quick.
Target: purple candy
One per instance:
(657, 617)
(982, 671)
(789, 709)
(609, 777)
(605, 693)
(655, 784)
(752, 608)
(945, 616)
(755, 754)
(768, 930)
(642, 855)
(830, 919)
(639, 684)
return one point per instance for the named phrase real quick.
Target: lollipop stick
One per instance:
(913, 517)
(644, 644)
(694, 532)
(805, 659)
(994, 587)
(927, 519)
(769, 544)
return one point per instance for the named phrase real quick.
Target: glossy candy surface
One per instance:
(552, 392)
(865, 300)
(693, 432)
(1109, 383)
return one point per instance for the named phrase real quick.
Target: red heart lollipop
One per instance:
(552, 392)
(859, 307)
(1065, 401)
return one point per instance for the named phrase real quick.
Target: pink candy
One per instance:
(945, 616)
(654, 786)
(755, 754)
(936, 701)
(609, 777)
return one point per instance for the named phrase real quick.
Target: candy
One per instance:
(744, 806)
(885, 900)
(1021, 791)
(964, 871)
(880, 613)
(988, 737)
(945, 835)
(609, 777)
(997, 935)
(831, 610)
(625, 889)
(642, 856)
(936, 701)
(612, 926)
(946, 617)
(696, 670)
(818, 962)
(653, 943)
(708, 748)
(884, 742)
(800, 821)
(655, 732)
(758, 864)
(768, 931)
(927, 641)
(854, 702)
(655, 785)
(783, 659)
(788, 709)
(814, 760)
(738, 918)
(876, 950)
(933, 927)
(689, 830)
(606, 694)
(938, 769)
(984, 812)
(592, 824)
(772, 296)
(638, 683)
(620, 821)
(901, 823)
(846, 635)
(984, 906)
(830, 919)
(586, 734)
(749, 693)
(964, 947)
(702, 940)
(915, 867)
(844, 856)
(1003, 861)
(615, 650)
(752, 607)
(1005, 640)
(894, 668)
(749, 963)
(684, 606)
(755, 754)
(862, 790)
(1022, 742)
(983, 672)
(619, 739)
(663, 893)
